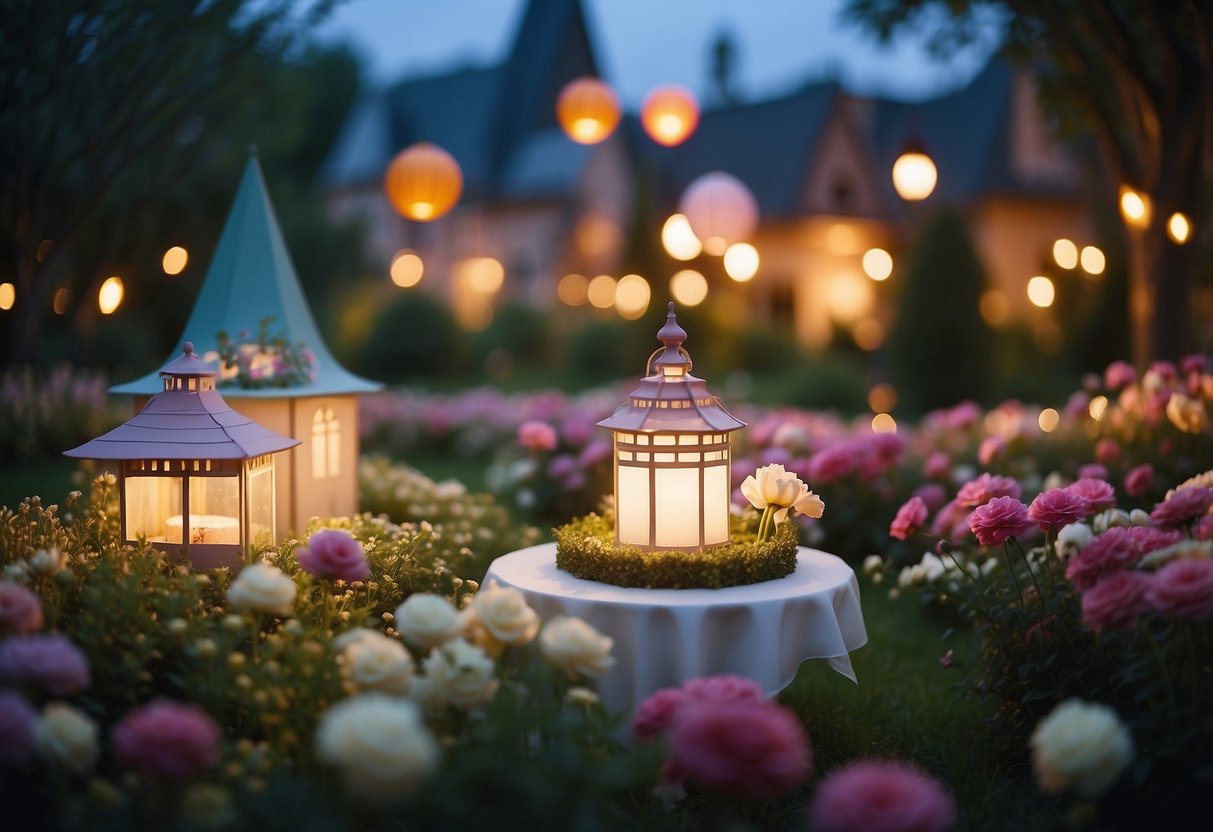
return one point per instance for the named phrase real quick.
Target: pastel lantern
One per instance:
(669, 114)
(588, 110)
(914, 173)
(721, 210)
(195, 478)
(423, 182)
(672, 455)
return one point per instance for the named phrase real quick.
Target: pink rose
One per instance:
(936, 466)
(1182, 507)
(750, 749)
(20, 611)
(51, 660)
(18, 722)
(655, 713)
(167, 739)
(1056, 508)
(561, 466)
(1093, 471)
(880, 797)
(990, 449)
(1119, 374)
(1109, 552)
(724, 687)
(1193, 364)
(1116, 601)
(832, 463)
(931, 493)
(1106, 450)
(999, 519)
(1139, 480)
(1097, 494)
(1148, 538)
(1183, 589)
(1204, 528)
(909, 519)
(594, 453)
(537, 436)
(334, 553)
(986, 487)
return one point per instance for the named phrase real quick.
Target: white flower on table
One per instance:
(777, 492)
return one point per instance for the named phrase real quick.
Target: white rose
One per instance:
(503, 612)
(458, 674)
(263, 588)
(47, 561)
(1080, 744)
(1072, 538)
(1110, 518)
(67, 738)
(380, 745)
(426, 620)
(374, 662)
(1138, 517)
(872, 564)
(576, 647)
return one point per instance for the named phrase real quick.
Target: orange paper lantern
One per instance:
(588, 110)
(669, 114)
(423, 182)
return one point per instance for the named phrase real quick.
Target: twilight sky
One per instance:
(642, 43)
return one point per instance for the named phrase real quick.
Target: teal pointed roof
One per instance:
(251, 277)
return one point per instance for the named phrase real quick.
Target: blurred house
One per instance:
(818, 162)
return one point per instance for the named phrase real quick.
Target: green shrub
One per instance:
(414, 337)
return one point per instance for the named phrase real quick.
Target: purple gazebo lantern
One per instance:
(672, 455)
(196, 478)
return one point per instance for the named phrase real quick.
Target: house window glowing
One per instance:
(326, 444)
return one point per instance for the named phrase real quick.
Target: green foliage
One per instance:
(518, 332)
(589, 361)
(586, 548)
(414, 337)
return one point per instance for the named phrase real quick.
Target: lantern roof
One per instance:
(669, 398)
(251, 278)
(188, 419)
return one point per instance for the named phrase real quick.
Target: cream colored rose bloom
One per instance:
(380, 745)
(1072, 539)
(374, 662)
(1187, 414)
(426, 620)
(1082, 745)
(576, 647)
(67, 738)
(772, 486)
(503, 612)
(459, 674)
(263, 588)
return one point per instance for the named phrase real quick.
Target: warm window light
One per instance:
(672, 455)
(572, 288)
(483, 275)
(1041, 291)
(679, 240)
(877, 264)
(1135, 207)
(883, 423)
(109, 297)
(688, 287)
(1065, 253)
(720, 209)
(1048, 420)
(407, 268)
(601, 291)
(669, 114)
(59, 302)
(1097, 407)
(848, 296)
(588, 110)
(741, 261)
(174, 260)
(8, 296)
(914, 173)
(1093, 260)
(632, 296)
(882, 398)
(1178, 228)
(423, 182)
(995, 307)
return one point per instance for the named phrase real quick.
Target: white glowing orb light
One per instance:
(8, 296)
(109, 296)
(1135, 208)
(632, 296)
(1093, 260)
(407, 268)
(601, 291)
(1098, 407)
(174, 260)
(572, 289)
(1041, 291)
(688, 287)
(1065, 253)
(484, 275)
(741, 262)
(914, 175)
(884, 423)
(1179, 228)
(720, 209)
(1048, 420)
(877, 264)
(679, 240)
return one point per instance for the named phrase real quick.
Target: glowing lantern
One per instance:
(914, 173)
(672, 455)
(669, 114)
(741, 261)
(196, 479)
(721, 210)
(8, 296)
(174, 260)
(679, 240)
(689, 287)
(1135, 208)
(1179, 229)
(109, 296)
(1065, 253)
(588, 110)
(1041, 291)
(423, 182)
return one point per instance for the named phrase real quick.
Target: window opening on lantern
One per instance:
(326, 444)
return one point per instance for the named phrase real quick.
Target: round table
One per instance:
(665, 636)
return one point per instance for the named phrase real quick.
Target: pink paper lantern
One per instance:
(720, 209)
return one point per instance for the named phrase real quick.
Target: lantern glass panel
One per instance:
(678, 507)
(716, 504)
(261, 506)
(215, 510)
(632, 505)
(151, 503)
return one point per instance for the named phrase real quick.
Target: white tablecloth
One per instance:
(665, 636)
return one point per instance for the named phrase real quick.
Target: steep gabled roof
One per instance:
(250, 278)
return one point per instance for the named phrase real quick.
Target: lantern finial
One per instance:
(188, 347)
(673, 360)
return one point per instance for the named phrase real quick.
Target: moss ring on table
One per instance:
(586, 548)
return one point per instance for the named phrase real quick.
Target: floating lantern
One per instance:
(672, 455)
(588, 110)
(1135, 208)
(423, 182)
(721, 210)
(196, 478)
(669, 114)
(914, 173)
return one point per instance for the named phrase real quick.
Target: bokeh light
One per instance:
(1098, 407)
(588, 110)
(109, 296)
(877, 264)
(423, 182)
(407, 268)
(59, 302)
(1179, 229)
(1093, 260)
(572, 289)
(1041, 291)
(174, 260)
(995, 307)
(848, 296)
(601, 291)
(1065, 253)
(741, 261)
(884, 423)
(1135, 207)
(868, 334)
(688, 287)
(632, 296)
(483, 275)
(669, 114)
(882, 397)
(914, 176)
(8, 296)
(1048, 420)
(679, 240)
